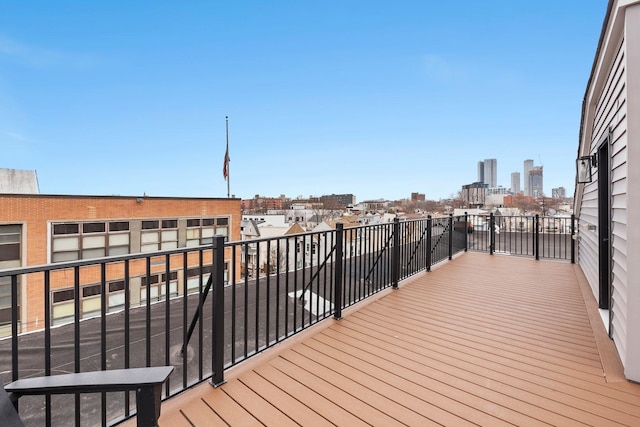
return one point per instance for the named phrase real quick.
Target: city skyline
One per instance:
(373, 99)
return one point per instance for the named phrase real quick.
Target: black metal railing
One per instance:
(207, 308)
(535, 236)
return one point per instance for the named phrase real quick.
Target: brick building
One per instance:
(337, 201)
(43, 229)
(263, 204)
(418, 197)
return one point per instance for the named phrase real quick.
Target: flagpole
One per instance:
(228, 161)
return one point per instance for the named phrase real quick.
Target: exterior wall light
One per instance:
(583, 168)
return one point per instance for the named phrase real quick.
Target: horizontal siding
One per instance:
(619, 203)
(588, 239)
(609, 100)
(610, 114)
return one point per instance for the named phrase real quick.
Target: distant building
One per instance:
(558, 193)
(338, 201)
(528, 167)
(301, 214)
(15, 181)
(376, 205)
(491, 172)
(497, 190)
(515, 182)
(417, 197)
(480, 171)
(495, 196)
(536, 182)
(263, 204)
(267, 220)
(474, 195)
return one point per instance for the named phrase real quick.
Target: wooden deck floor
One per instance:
(482, 340)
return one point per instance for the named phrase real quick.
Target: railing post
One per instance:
(217, 318)
(466, 231)
(492, 233)
(14, 328)
(450, 237)
(395, 258)
(573, 240)
(337, 303)
(429, 241)
(536, 237)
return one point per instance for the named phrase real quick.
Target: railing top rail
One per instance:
(103, 260)
(333, 230)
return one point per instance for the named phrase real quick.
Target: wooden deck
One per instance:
(482, 340)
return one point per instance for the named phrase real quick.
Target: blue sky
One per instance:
(378, 99)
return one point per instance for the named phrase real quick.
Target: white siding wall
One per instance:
(614, 104)
(631, 358)
(607, 112)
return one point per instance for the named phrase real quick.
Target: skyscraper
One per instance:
(528, 166)
(480, 171)
(491, 172)
(515, 182)
(535, 182)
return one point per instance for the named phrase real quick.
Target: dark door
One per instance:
(604, 225)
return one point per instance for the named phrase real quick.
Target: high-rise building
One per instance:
(491, 172)
(480, 171)
(535, 182)
(528, 166)
(515, 182)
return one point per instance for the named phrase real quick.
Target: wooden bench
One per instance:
(147, 383)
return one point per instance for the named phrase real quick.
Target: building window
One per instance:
(72, 241)
(193, 277)
(62, 310)
(201, 231)
(10, 236)
(158, 286)
(159, 235)
(116, 295)
(10, 250)
(63, 303)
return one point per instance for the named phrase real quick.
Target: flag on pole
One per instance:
(225, 166)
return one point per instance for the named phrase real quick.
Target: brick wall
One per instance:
(36, 212)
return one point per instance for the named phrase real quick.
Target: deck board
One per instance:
(260, 408)
(481, 340)
(228, 409)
